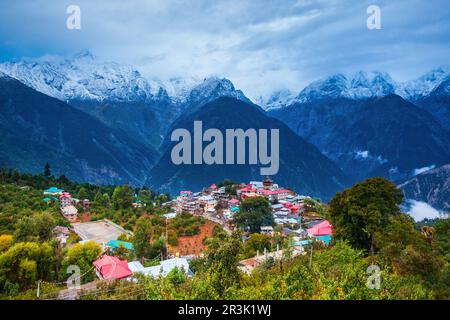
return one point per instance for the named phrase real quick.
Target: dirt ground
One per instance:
(193, 245)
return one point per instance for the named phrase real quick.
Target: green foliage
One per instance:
(37, 227)
(223, 273)
(442, 237)
(186, 224)
(176, 276)
(25, 262)
(142, 237)
(409, 252)
(317, 207)
(359, 212)
(254, 213)
(257, 242)
(122, 197)
(82, 193)
(81, 255)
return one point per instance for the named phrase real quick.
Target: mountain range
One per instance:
(366, 123)
(36, 129)
(359, 86)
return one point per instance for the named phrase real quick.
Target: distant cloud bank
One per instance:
(421, 210)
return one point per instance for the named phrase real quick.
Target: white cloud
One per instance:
(421, 210)
(362, 154)
(420, 170)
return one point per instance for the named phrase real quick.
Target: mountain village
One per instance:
(218, 205)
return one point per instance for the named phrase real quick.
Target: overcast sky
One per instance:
(261, 45)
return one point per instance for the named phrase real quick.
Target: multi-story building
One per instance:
(65, 199)
(70, 213)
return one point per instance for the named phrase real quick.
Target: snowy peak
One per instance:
(277, 100)
(81, 77)
(330, 87)
(443, 89)
(361, 85)
(213, 88)
(364, 85)
(424, 85)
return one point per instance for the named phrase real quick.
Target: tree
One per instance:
(142, 237)
(176, 276)
(25, 262)
(223, 272)
(254, 213)
(82, 255)
(357, 213)
(106, 200)
(37, 227)
(441, 236)
(122, 253)
(257, 243)
(6, 240)
(157, 248)
(122, 197)
(82, 193)
(146, 196)
(402, 246)
(47, 171)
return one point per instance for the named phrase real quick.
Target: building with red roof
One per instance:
(108, 267)
(234, 202)
(322, 229)
(274, 194)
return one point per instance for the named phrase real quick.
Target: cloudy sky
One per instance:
(261, 45)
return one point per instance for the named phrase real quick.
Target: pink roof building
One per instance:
(322, 229)
(112, 268)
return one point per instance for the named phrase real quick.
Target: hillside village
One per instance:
(134, 240)
(218, 205)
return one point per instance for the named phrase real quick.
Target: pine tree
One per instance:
(47, 171)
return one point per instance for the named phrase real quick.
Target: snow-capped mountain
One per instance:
(359, 86)
(82, 77)
(212, 88)
(424, 85)
(277, 100)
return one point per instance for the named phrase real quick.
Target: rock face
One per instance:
(302, 166)
(36, 129)
(432, 187)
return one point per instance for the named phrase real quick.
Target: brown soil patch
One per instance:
(193, 245)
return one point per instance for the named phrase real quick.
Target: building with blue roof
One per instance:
(114, 244)
(53, 191)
